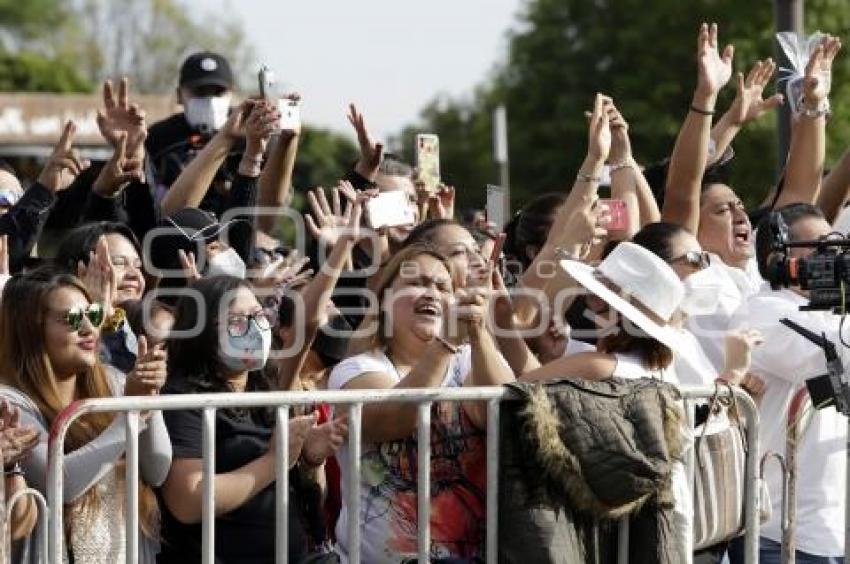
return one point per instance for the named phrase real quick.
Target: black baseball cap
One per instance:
(206, 69)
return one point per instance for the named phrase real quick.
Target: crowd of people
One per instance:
(159, 272)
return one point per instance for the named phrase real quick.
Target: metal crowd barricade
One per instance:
(354, 399)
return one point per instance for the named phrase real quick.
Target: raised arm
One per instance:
(191, 186)
(836, 188)
(371, 152)
(690, 154)
(578, 223)
(624, 174)
(806, 155)
(318, 292)
(276, 179)
(748, 105)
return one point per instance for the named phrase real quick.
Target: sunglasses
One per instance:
(697, 259)
(73, 318)
(238, 324)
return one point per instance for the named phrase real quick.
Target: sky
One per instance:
(389, 57)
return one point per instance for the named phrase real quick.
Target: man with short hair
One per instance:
(784, 362)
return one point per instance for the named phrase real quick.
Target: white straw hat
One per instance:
(643, 277)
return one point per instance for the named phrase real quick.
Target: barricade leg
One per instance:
(423, 486)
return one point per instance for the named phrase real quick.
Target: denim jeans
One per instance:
(770, 552)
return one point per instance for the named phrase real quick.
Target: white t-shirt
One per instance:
(784, 361)
(735, 286)
(389, 477)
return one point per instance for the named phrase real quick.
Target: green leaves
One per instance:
(562, 52)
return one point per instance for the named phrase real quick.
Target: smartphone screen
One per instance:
(619, 215)
(428, 160)
(496, 206)
(390, 209)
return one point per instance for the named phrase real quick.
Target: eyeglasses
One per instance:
(73, 318)
(238, 324)
(697, 259)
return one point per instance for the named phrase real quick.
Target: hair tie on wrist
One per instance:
(701, 111)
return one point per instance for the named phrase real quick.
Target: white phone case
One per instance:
(290, 114)
(390, 209)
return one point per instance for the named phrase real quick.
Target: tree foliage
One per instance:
(561, 52)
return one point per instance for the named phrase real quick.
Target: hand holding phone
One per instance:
(619, 214)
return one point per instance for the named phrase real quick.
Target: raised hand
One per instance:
(749, 103)
(715, 69)
(119, 170)
(818, 78)
(599, 129)
(621, 146)
(234, 127)
(261, 124)
(371, 152)
(16, 441)
(739, 349)
(64, 164)
(100, 276)
(149, 373)
(283, 271)
(326, 223)
(324, 440)
(441, 204)
(189, 265)
(119, 115)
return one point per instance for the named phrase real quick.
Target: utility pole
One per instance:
(789, 17)
(500, 154)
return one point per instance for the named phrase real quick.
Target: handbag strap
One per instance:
(715, 404)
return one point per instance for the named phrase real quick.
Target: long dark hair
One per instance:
(79, 242)
(530, 227)
(194, 365)
(658, 238)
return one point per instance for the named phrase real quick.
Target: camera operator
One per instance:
(784, 362)
(205, 92)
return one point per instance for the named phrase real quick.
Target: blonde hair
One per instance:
(379, 284)
(25, 365)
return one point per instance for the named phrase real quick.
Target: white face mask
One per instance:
(227, 263)
(702, 293)
(248, 352)
(208, 113)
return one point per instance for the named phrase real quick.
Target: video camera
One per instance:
(825, 273)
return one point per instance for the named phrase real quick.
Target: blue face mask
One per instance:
(248, 352)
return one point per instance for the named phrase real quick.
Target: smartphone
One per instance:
(496, 206)
(390, 209)
(428, 160)
(266, 80)
(290, 114)
(619, 215)
(497, 248)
